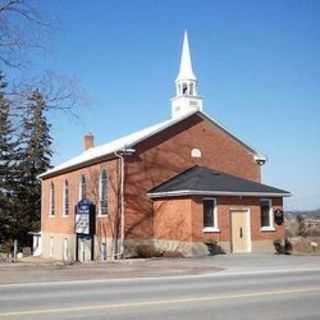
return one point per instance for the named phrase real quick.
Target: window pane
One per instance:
(52, 209)
(265, 214)
(83, 188)
(66, 198)
(208, 213)
(104, 192)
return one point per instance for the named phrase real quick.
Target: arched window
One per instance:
(191, 89)
(66, 198)
(82, 188)
(52, 204)
(184, 89)
(103, 192)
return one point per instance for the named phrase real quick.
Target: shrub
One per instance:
(147, 251)
(7, 246)
(214, 248)
(282, 248)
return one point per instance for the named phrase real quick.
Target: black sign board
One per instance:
(84, 217)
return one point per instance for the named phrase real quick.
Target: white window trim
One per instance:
(100, 214)
(50, 202)
(64, 215)
(270, 227)
(80, 187)
(214, 228)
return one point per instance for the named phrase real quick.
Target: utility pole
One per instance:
(15, 250)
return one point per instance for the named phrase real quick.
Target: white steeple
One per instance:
(186, 98)
(186, 72)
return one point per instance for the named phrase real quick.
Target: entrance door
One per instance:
(240, 225)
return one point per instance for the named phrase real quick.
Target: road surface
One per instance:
(261, 295)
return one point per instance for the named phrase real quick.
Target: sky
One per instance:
(257, 62)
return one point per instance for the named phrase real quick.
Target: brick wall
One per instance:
(156, 159)
(173, 219)
(182, 219)
(65, 224)
(167, 154)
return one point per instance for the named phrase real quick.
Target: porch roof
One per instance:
(203, 181)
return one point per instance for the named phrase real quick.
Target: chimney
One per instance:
(88, 141)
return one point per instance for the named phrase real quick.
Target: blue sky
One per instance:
(258, 64)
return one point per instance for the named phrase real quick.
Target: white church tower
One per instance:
(186, 99)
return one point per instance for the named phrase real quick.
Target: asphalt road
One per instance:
(270, 295)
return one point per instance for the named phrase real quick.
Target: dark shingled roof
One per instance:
(201, 180)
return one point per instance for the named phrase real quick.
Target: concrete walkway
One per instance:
(256, 262)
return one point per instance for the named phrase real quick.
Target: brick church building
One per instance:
(186, 184)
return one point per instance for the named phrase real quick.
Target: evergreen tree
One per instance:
(36, 157)
(8, 164)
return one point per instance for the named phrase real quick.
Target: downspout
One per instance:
(121, 157)
(121, 154)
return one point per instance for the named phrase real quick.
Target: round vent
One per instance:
(195, 153)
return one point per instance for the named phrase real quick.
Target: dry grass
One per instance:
(303, 233)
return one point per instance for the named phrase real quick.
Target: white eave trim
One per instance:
(215, 193)
(168, 124)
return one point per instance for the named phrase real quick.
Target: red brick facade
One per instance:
(181, 219)
(169, 153)
(156, 159)
(59, 223)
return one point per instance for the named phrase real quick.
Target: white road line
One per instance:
(225, 273)
(157, 302)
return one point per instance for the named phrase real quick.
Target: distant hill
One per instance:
(307, 213)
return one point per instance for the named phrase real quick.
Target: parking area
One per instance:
(259, 262)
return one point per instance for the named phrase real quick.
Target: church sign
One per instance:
(84, 220)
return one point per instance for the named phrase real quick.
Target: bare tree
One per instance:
(61, 92)
(22, 28)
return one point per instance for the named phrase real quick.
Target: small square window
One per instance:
(210, 216)
(266, 214)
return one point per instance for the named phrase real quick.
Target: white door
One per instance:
(240, 231)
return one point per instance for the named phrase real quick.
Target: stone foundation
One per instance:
(53, 246)
(104, 248)
(263, 246)
(188, 249)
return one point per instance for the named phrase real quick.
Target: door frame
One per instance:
(247, 212)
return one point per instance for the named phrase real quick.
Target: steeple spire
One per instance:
(186, 71)
(186, 99)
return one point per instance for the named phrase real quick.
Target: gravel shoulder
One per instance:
(46, 270)
(43, 270)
